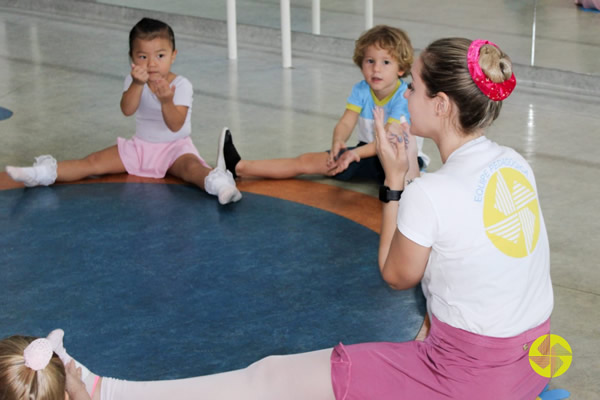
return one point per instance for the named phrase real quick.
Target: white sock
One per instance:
(56, 338)
(229, 194)
(293, 377)
(24, 175)
(43, 172)
(220, 183)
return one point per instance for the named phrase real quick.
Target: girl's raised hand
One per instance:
(391, 150)
(139, 74)
(162, 90)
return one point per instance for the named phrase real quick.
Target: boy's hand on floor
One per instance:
(343, 162)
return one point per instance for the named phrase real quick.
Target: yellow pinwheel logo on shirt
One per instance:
(550, 356)
(511, 213)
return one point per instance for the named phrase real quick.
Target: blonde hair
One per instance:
(445, 70)
(494, 63)
(393, 40)
(19, 382)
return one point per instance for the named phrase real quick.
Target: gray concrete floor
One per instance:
(563, 36)
(62, 76)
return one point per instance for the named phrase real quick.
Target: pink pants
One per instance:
(450, 364)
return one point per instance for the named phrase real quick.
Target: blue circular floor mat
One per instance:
(154, 281)
(5, 113)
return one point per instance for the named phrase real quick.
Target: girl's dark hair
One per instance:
(444, 69)
(148, 29)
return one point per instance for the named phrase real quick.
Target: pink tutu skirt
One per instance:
(153, 160)
(449, 364)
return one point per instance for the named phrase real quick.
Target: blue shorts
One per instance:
(366, 169)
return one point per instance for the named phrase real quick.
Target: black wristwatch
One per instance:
(386, 194)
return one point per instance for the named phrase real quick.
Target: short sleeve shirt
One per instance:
(489, 266)
(362, 100)
(149, 122)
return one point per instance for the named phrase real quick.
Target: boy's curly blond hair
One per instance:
(394, 40)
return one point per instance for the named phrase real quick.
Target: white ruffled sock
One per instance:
(56, 338)
(220, 183)
(42, 173)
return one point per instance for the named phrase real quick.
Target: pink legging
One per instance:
(291, 377)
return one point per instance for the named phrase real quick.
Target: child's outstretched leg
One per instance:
(293, 377)
(277, 168)
(217, 182)
(46, 170)
(89, 379)
(106, 161)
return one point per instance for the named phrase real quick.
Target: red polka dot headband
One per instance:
(495, 91)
